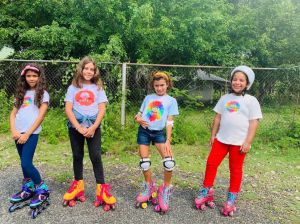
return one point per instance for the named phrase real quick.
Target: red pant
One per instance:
(236, 160)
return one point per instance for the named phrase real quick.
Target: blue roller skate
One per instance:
(21, 199)
(40, 200)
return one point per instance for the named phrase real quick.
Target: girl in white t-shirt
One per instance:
(85, 105)
(233, 131)
(30, 107)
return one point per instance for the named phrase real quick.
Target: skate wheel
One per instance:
(106, 207)
(144, 205)
(81, 199)
(154, 194)
(211, 205)
(11, 209)
(157, 208)
(65, 203)
(137, 205)
(230, 214)
(72, 203)
(34, 213)
(113, 207)
(197, 206)
(202, 207)
(154, 201)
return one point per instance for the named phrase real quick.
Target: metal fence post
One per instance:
(123, 114)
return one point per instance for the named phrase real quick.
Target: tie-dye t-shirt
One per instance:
(28, 112)
(236, 112)
(156, 109)
(86, 99)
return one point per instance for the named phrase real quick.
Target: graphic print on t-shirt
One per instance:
(85, 97)
(27, 101)
(154, 111)
(232, 106)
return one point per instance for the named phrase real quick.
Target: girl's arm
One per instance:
(42, 112)
(72, 118)
(15, 134)
(169, 136)
(91, 130)
(215, 128)
(253, 124)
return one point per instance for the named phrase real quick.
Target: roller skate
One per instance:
(103, 196)
(74, 193)
(230, 205)
(164, 196)
(148, 195)
(21, 199)
(40, 200)
(205, 197)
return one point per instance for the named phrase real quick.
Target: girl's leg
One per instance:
(28, 150)
(77, 144)
(144, 153)
(216, 155)
(236, 162)
(20, 150)
(167, 174)
(94, 146)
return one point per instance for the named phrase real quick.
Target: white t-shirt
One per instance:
(85, 100)
(28, 112)
(236, 112)
(156, 109)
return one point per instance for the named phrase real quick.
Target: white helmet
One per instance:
(248, 71)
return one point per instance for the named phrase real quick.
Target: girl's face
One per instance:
(32, 78)
(88, 72)
(160, 87)
(239, 82)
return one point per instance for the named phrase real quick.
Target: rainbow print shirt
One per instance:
(156, 109)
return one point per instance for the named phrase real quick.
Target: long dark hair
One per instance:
(22, 87)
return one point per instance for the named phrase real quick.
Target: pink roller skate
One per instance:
(149, 194)
(164, 196)
(205, 197)
(230, 204)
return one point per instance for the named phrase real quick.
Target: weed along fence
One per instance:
(196, 88)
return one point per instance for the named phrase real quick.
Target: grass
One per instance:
(271, 170)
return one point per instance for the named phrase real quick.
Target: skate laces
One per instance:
(167, 191)
(231, 198)
(73, 186)
(106, 190)
(147, 189)
(203, 193)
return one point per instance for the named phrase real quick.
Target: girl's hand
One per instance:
(82, 130)
(15, 135)
(90, 132)
(245, 148)
(212, 139)
(142, 122)
(23, 138)
(168, 151)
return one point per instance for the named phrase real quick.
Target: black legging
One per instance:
(94, 146)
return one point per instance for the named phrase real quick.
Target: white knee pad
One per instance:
(145, 164)
(169, 163)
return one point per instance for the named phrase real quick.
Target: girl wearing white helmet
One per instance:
(234, 127)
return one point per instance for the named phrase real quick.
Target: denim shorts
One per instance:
(146, 136)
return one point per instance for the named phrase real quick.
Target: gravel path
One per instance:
(182, 210)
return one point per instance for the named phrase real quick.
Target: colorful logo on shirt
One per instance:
(154, 111)
(27, 101)
(85, 97)
(232, 106)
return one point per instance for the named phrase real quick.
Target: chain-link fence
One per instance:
(196, 88)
